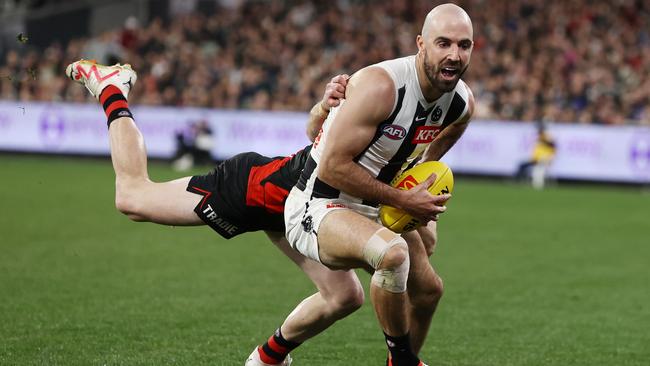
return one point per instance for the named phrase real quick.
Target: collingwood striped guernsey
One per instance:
(399, 140)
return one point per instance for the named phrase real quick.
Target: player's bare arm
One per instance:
(450, 135)
(334, 92)
(352, 131)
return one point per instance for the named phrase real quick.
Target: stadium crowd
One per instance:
(562, 61)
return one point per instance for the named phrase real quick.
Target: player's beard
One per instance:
(433, 73)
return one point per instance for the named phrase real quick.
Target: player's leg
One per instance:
(524, 170)
(136, 195)
(347, 239)
(538, 174)
(429, 236)
(339, 294)
(424, 287)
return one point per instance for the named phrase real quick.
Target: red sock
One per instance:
(276, 349)
(114, 104)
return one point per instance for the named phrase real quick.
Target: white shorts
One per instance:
(302, 218)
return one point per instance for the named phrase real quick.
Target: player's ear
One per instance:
(419, 41)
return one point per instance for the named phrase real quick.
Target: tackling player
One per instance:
(244, 193)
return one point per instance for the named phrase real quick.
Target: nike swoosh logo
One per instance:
(418, 119)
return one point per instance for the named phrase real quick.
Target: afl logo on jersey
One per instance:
(394, 132)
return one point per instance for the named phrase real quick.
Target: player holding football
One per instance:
(331, 214)
(245, 193)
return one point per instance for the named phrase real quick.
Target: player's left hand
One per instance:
(334, 91)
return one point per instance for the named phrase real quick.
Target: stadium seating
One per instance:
(554, 61)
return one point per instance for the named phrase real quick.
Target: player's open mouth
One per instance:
(449, 72)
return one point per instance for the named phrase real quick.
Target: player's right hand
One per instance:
(334, 91)
(421, 204)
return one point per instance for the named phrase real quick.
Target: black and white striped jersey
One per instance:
(400, 139)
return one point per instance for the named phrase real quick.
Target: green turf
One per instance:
(559, 277)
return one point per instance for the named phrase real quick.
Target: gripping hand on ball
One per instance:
(421, 204)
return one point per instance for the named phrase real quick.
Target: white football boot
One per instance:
(254, 360)
(96, 77)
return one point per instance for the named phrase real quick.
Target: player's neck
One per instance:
(429, 92)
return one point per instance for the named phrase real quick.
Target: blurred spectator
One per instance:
(562, 61)
(541, 158)
(129, 35)
(193, 146)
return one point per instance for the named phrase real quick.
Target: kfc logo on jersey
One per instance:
(425, 134)
(394, 132)
(407, 183)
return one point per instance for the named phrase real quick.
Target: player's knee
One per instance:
(429, 251)
(388, 254)
(128, 208)
(126, 201)
(429, 238)
(428, 294)
(395, 256)
(392, 273)
(385, 250)
(348, 301)
(430, 244)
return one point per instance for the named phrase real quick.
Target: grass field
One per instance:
(559, 277)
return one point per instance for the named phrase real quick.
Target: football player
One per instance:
(244, 193)
(394, 112)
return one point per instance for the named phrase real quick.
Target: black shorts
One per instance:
(247, 192)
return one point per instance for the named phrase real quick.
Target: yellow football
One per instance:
(398, 220)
